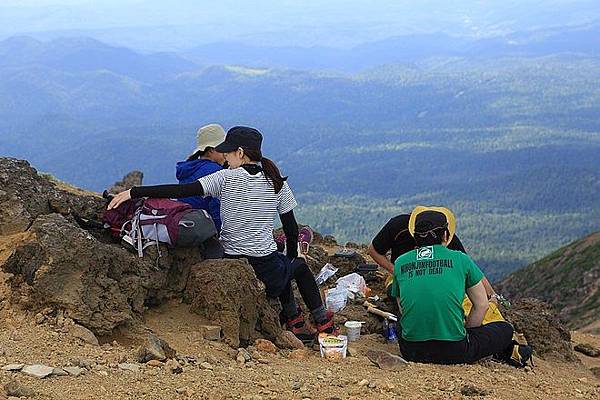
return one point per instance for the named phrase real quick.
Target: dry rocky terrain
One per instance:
(83, 318)
(209, 369)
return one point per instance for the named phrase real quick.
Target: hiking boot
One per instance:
(327, 325)
(301, 329)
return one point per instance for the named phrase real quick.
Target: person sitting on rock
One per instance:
(395, 237)
(430, 283)
(252, 193)
(203, 161)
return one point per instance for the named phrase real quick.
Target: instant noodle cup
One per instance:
(333, 347)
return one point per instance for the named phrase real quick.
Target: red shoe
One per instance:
(327, 325)
(301, 329)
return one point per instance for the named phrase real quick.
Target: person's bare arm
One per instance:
(479, 299)
(489, 290)
(380, 259)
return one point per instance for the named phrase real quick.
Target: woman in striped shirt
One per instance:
(253, 193)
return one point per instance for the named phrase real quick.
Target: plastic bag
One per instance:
(325, 273)
(336, 298)
(354, 283)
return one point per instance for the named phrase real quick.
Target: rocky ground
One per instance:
(209, 369)
(83, 318)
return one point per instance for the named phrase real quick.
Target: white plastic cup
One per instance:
(353, 330)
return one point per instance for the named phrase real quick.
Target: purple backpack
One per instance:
(147, 222)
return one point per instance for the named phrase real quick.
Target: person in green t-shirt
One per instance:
(430, 284)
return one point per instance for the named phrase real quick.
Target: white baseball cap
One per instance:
(210, 135)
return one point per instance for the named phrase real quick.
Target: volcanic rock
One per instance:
(37, 370)
(17, 389)
(542, 329)
(154, 348)
(387, 361)
(346, 265)
(265, 345)
(587, 349)
(227, 293)
(133, 178)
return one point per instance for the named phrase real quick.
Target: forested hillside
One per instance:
(568, 279)
(511, 144)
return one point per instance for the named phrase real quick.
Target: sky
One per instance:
(161, 25)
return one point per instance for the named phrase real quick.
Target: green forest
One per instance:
(511, 144)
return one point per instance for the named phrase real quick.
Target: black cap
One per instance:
(428, 220)
(240, 136)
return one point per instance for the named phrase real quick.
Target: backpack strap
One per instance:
(131, 232)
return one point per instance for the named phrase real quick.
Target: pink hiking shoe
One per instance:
(305, 237)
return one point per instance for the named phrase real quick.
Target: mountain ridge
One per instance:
(501, 143)
(414, 48)
(568, 279)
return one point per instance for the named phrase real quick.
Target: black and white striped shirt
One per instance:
(249, 206)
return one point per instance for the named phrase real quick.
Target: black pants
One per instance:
(306, 286)
(276, 271)
(493, 339)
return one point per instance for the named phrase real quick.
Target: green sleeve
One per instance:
(474, 274)
(395, 284)
(395, 292)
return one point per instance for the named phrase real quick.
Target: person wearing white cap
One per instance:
(253, 194)
(203, 161)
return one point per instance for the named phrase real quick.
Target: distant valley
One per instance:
(510, 142)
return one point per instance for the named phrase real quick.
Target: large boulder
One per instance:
(228, 293)
(542, 329)
(53, 263)
(58, 265)
(25, 195)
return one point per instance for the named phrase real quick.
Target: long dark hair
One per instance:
(269, 168)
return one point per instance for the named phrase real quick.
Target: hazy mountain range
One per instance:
(154, 25)
(505, 131)
(415, 48)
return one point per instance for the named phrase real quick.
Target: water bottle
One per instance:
(386, 328)
(392, 336)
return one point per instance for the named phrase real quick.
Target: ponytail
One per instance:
(272, 173)
(269, 169)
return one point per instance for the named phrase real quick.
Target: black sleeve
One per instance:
(455, 244)
(175, 191)
(290, 228)
(384, 240)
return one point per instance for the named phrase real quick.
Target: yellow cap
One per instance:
(447, 213)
